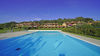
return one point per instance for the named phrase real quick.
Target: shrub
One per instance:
(97, 32)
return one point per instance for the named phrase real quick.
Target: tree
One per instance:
(60, 21)
(84, 19)
(96, 24)
(79, 19)
(10, 25)
(88, 20)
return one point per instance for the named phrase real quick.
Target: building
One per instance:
(51, 25)
(19, 25)
(48, 25)
(27, 24)
(72, 23)
(64, 25)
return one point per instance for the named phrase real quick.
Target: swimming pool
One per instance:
(47, 43)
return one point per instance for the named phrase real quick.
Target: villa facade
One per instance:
(48, 25)
(27, 24)
(52, 25)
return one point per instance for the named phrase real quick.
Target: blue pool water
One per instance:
(47, 43)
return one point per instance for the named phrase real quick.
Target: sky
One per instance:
(30, 10)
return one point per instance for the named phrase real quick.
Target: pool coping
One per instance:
(87, 39)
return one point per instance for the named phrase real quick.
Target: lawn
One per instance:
(86, 36)
(9, 30)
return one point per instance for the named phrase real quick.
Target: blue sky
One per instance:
(29, 10)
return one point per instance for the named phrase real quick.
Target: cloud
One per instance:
(37, 19)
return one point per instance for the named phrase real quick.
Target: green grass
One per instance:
(9, 30)
(2, 31)
(14, 30)
(98, 38)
